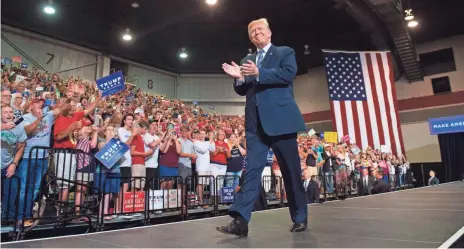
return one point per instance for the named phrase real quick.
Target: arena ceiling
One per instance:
(214, 34)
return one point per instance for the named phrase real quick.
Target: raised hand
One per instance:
(232, 70)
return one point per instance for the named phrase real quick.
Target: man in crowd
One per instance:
(38, 127)
(365, 183)
(186, 157)
(152, 142)
(311, 186)
(139, 154)
(379, 186)
(203, 149)
(12, 148)
(127, 133)
(65, 137)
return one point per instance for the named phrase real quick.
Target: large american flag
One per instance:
(363, 98)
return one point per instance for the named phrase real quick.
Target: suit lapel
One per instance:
(268, 56)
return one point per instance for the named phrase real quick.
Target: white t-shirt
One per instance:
(202, 148)
(124, 135)
(151, 161)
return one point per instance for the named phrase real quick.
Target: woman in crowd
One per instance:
(108, 180)
(235, 161)
(218, 162)
(170, 150)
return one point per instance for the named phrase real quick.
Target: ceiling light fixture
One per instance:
(413, 23)
(183, 53)
(135, 5)
(127, 36)
(49, 9)
(211, 2)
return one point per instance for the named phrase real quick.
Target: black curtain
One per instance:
(452, 155)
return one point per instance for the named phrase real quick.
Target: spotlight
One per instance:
(211, 2)
(409, 16)
(412, 23)
(135, 5)
(49, 10)
(183, 53)
(127, 36)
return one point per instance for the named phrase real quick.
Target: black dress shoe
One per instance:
(238, 227)
(299, 227)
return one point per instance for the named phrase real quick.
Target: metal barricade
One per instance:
(200, 194)
(274, 188)
(165, 195)
(225, 194)
(52, 178)
(129, 203)
(10, 203)
(67, 214)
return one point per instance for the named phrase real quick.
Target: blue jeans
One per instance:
(9, 195)
(329, 184)
(401, 178)
(34, 175)
(233, 178)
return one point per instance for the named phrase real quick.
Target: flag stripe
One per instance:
(349, 119)
(345, 120)
(338, 118)
(386, 97)
(373, 105)
(365, 135)
(392, 112)
(355, 117)
(380, 100)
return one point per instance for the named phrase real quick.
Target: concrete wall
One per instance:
(16, 42)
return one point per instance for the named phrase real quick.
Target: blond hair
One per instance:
(261, 20)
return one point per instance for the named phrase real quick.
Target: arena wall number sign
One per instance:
(150, 84)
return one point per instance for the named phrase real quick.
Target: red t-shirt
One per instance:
(220, 157)
(139, 147)
(62, 123)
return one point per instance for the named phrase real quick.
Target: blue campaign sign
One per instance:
(227, 195)
(111, 84)
(112, 152)
(195, 102)
(444, 125)
(24, 65)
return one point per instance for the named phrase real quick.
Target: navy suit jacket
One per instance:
(272, 94)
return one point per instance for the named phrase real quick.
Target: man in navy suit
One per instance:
(272, 119)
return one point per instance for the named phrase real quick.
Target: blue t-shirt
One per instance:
(10, 138)
(41, 136)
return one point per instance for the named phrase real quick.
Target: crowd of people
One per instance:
(168, 139)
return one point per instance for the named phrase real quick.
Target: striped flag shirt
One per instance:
(363, 99)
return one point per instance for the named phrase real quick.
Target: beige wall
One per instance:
(420, 146)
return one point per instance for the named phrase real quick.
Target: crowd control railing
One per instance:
(79, 189)
(274, 188)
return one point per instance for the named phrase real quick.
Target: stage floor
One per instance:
(421, 217)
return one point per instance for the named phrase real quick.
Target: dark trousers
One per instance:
(286, 151)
